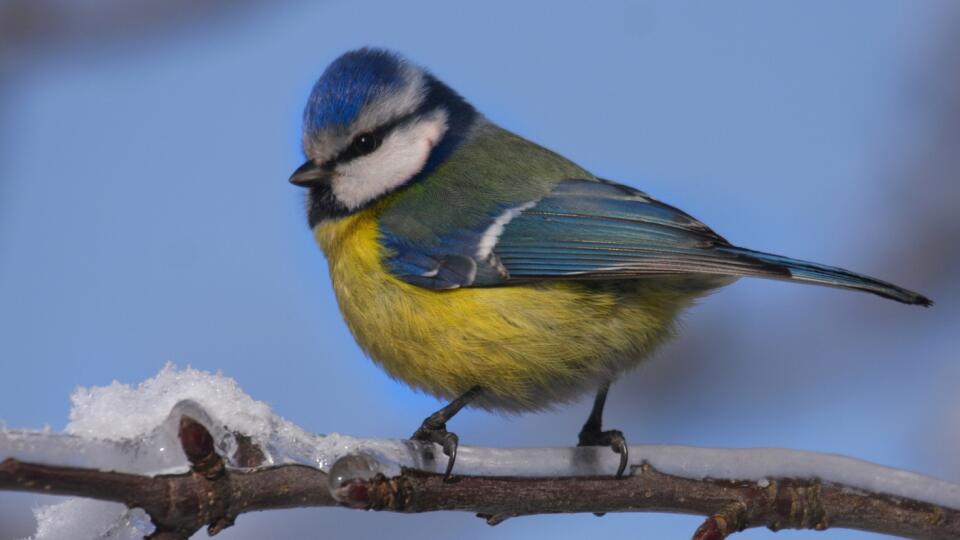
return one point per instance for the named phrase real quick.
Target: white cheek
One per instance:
(401, 155)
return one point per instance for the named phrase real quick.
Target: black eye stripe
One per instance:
(354, 150)
(362, 144)
(367, 142)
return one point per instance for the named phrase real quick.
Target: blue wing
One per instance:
(601, 230)
(589, 230)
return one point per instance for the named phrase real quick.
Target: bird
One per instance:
(486, 270)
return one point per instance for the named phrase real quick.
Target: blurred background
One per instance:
(145, 217)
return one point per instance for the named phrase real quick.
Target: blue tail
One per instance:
(830, 276)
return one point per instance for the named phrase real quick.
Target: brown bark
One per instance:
(213, 495)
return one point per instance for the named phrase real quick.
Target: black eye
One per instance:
(365, 143)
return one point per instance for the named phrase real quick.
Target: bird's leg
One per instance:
(592, 434)
(434, 427)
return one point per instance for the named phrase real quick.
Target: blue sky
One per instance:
(145, 217)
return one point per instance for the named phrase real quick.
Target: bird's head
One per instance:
(373, 123)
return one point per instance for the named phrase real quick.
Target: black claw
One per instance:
(450, 444)
(439, 435)
(613, 439)
(619, 445)
(434, 428)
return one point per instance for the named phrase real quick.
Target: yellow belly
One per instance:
(528, 346)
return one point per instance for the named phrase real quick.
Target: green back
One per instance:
(492, 170)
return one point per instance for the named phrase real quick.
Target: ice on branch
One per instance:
(87, 518)
(134, 429)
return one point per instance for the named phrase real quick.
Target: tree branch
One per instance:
(213, 495)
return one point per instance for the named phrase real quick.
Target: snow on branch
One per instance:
(223, 454)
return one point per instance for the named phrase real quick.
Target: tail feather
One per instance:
(830, 276)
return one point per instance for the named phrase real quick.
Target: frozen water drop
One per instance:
(350, 468)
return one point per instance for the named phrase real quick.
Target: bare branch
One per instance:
(213, 495)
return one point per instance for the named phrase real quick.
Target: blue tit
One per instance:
(482, 268)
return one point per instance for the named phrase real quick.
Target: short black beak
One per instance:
(310, 175)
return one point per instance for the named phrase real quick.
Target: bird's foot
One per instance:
(432, 431)
(611, 438)
(434, 428)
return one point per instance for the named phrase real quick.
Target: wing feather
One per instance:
(598, 230)
(586, 227)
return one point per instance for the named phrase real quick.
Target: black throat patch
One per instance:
(321, 205)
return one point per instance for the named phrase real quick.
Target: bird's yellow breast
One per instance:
(528, 346)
